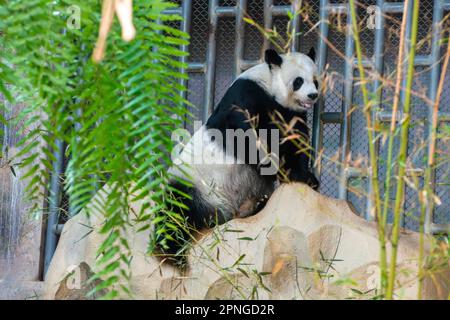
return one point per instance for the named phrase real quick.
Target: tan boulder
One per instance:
(302, 245)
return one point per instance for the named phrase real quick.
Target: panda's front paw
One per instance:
(312, 181)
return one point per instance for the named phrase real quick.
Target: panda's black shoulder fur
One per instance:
(246, 97)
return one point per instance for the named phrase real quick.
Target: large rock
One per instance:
(303, 245)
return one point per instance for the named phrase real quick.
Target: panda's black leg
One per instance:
(297, 167)
(173, 243)
(261, 203)
(172, 233)
(312, 181)
(305, 177)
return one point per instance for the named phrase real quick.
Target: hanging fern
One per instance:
(115, 117)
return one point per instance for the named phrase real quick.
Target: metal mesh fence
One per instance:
(225, 59)
(442, 212)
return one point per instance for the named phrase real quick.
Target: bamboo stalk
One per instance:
(391, 138)
(373, 165)
(395, 110)
(399, 198)
(427, 201)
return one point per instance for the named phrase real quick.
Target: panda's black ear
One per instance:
(272, 58)
(312, 54)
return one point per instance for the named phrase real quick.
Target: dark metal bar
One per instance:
(439, 228)
(186, 12)
(73, 210)
(336, 8)
(225, 11)
(57, 228)
(352, 172)
(438, 9)
(172, 11)
(445, 5)
(392, 7)
(378, 60)
(268, 8)
(295, 24)
(422, 60)
(279, 11)
(406, 50)
(196, 67)
(331, 117)
(345, 134)
(386, 116)
(247, 64)
(211, 60)
(366, 62)
(54, 201)
(404, 72)
(240, 29)
(317, 133)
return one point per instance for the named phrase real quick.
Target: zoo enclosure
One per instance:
(223, 45)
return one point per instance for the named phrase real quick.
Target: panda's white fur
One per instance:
(213, 173)
(223, 188)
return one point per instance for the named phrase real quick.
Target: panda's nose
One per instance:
(313, 96)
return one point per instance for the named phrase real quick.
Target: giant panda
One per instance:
(207, 192)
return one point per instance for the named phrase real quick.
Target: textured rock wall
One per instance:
(302, 245)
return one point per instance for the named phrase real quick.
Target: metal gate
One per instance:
(223, 45)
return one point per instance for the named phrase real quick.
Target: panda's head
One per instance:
(293, 79)
(290, 78)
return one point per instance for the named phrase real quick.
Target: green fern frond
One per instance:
(115, 118)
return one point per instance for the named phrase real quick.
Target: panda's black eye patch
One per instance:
(298, 83)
